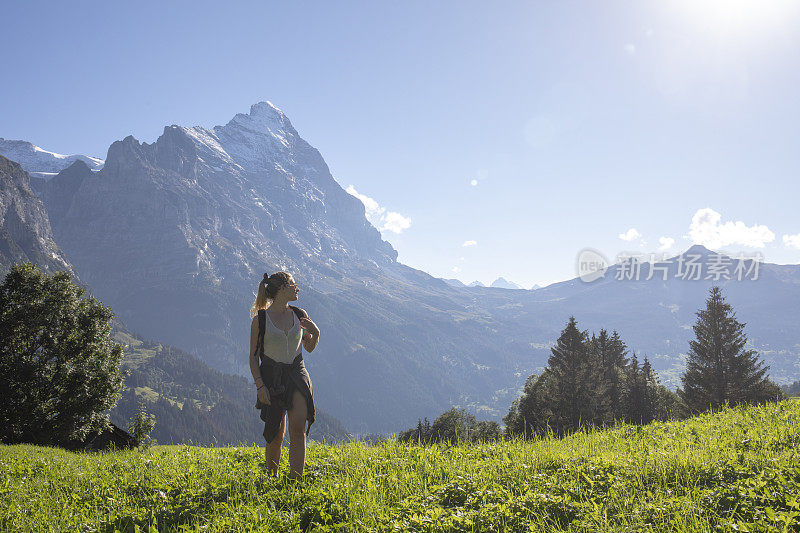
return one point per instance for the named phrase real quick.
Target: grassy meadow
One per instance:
(736, 470)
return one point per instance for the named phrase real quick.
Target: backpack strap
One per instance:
(299, 312)
(262, 324)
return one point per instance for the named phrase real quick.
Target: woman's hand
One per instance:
(309, 341)
(309, 326)
(263, 395)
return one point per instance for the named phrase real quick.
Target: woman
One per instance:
(276, 362)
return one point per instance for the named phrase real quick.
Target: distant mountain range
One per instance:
(41, 164)
(503, 283)
(499, 283)
(175, 235)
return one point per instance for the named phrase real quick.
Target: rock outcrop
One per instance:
(25, 232)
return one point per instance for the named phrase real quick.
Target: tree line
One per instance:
(596, 381)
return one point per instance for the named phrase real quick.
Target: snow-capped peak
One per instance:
(253, 139)
(263, 117)
(36, 160)
(208, 145)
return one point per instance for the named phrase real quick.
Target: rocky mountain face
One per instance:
(175, 236)
(25, 232)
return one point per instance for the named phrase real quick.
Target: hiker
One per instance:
(276, 362)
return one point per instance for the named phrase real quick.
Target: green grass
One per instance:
(134, 352)
(734, 470)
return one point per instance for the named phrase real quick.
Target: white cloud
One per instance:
(378, 216)
(473, 182)
(469, 243)
(630, 235)
(666, 243)
(456, 270)
(792, 241)
(707, 230)
(462, 258)
(630, 48)
(395, 222)
(372, 207)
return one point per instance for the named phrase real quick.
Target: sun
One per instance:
(731, 18)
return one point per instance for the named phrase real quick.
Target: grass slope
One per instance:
(733, 470)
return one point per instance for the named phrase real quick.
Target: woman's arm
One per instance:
(311, 336)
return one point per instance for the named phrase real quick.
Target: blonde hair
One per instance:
(267, 289)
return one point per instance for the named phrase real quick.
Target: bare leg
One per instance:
(272, 451)
(297, 435)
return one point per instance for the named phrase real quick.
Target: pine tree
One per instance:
(596, 350)
(573, 370)
(719, 369)
(611, 353)
(634, 392)
(649, 409)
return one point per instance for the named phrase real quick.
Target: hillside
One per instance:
(733, 470)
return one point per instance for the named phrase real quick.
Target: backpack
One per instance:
(262, 324)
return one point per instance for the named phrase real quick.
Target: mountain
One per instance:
(503, 283)
(192, 403)
(40, 163)
(175, 236)
(25, 231)
(453, 282)
(655, 316)
(476, 284)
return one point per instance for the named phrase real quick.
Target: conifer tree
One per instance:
(719, 369)
(634, 392)
(573, 370)
(649, 409)
(612, 352)
(596, 350)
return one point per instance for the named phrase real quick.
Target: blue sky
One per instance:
(533, 129)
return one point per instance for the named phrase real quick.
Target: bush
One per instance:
(452, 426)
(142, 423)
(59, 368)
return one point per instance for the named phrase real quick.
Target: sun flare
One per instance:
(737, 17)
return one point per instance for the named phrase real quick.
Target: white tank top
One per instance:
(280, 346)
